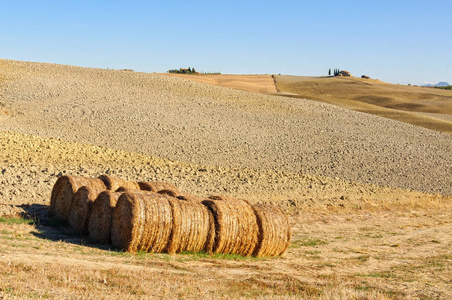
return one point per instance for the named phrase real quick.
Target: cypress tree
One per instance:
(329, 72)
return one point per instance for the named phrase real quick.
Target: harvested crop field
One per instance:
(369, 199)
(249, 83)
(141, 113)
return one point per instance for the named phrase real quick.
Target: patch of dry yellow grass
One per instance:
(361, 254)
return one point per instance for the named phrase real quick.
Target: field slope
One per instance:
(420, 106)
(263, 84)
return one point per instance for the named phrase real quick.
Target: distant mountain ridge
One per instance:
(442, 83)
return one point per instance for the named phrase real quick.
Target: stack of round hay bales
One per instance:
(157, 186)
(193, 227)
(236, 229)
(113, 183)
(64, 190)
(274, 230)
(99, 224)
(81, 206)
(141, 222)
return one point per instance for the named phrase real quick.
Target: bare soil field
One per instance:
(369, 199)
(263, 84)
(201, 124)
(420, 106)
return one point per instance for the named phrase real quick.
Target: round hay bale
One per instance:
(274, 230)
(64, 190)
(141, 222)
(156, 186)
(193, 227)
(236, 230)
(81, 207)
(189, 197)
(99, 224)
(113, 183)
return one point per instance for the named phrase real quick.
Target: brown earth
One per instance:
(350, 239)
(205, 125)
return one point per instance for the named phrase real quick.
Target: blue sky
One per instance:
(395, 41)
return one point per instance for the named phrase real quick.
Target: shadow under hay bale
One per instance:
(236, 230)
(99, 224)
(123, 189)
(113, 183)
(189, 197)
(224, 198)
(81, 207)
(193, 227)
(64, 190)
(156, 186)
(141, 222)
(274, 230)
(168, 193)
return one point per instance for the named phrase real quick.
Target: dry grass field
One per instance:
(420, 106)
(372, 252)
(350, 239)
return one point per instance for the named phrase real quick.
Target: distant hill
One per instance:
(427, 107)
(442, 83)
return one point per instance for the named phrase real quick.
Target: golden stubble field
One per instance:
(368, 253)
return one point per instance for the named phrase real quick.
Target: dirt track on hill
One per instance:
(206, 125)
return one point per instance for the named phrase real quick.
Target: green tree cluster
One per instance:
(183, 71)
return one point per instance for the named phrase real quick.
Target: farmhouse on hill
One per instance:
(345, 73)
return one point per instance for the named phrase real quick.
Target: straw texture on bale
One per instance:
(81, 207)
(189, 197)
(156, 186)
(236, 230)
(113, 183)
(99, 224)
(193, 227)
(64, 190)
(141, 222)
(274, 230)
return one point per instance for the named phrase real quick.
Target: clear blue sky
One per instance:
(396, 41)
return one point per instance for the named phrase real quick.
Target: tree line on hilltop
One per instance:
(191, 71)
(184, 71)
